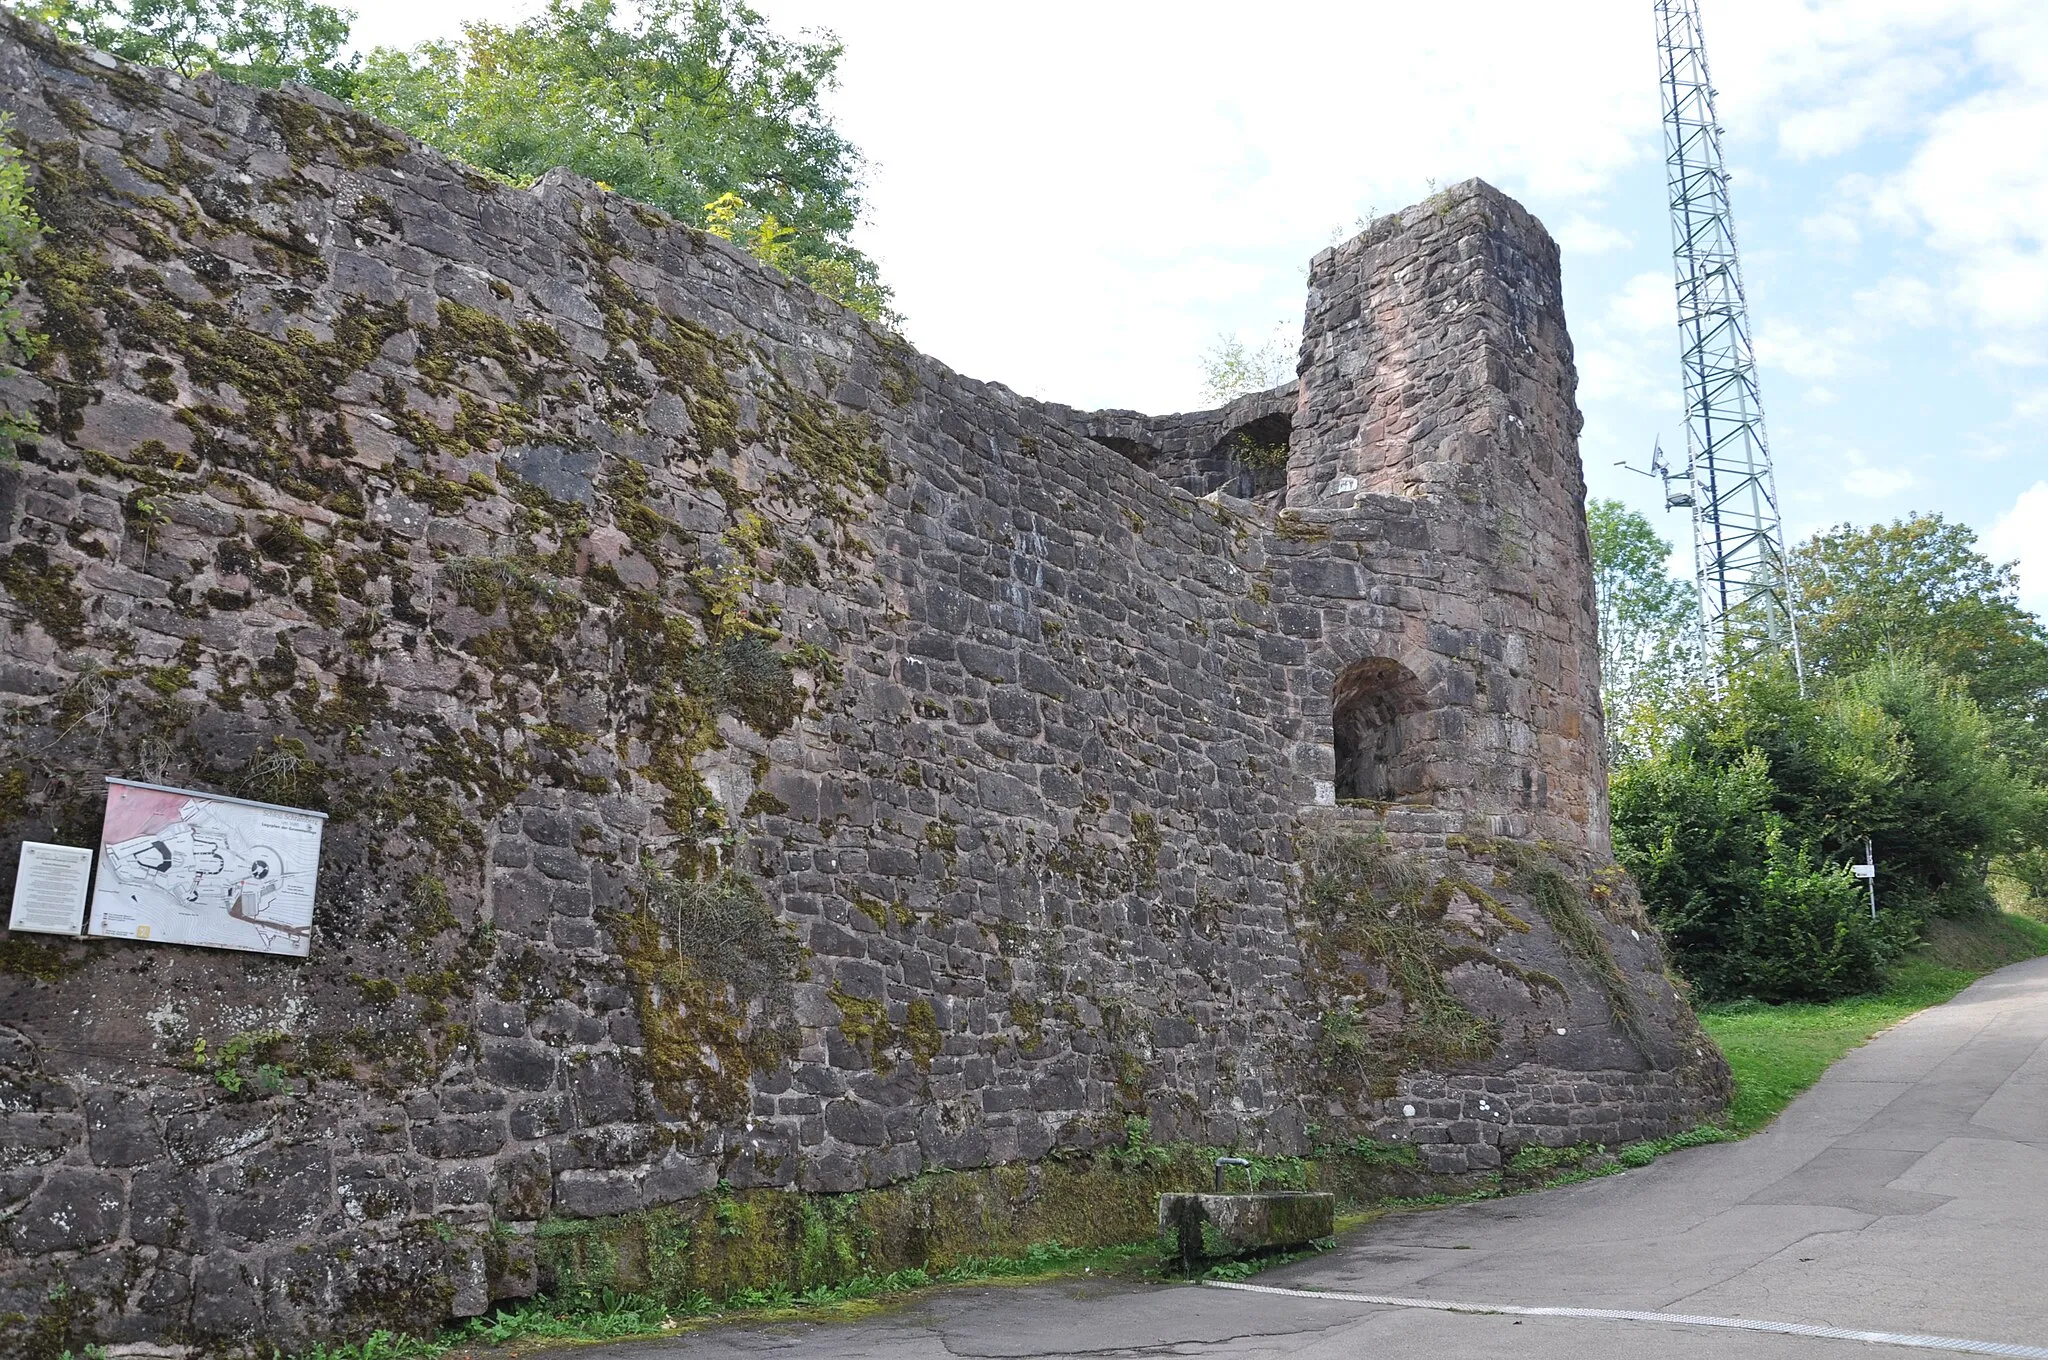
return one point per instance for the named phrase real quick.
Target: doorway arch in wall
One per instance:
(1374, 705)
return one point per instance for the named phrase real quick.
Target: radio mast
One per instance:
(1738, 538)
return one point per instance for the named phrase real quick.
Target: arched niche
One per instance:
(1373, 709)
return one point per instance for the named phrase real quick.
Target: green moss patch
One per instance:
(45, 592)
(1374, 932)
(711, 967)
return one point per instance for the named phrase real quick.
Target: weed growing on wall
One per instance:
(1563, 904)
(1372, 931)
(20, 232)
(711, 967)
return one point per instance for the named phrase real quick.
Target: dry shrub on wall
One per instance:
(1366, 908)
(711, 967)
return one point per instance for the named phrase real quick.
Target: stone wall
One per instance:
(755, 752)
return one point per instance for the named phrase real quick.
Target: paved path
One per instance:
(1907, 1192)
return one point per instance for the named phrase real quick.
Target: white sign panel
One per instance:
(49, 888)
(198, 868)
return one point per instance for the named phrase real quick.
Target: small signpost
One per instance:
(1867, 871)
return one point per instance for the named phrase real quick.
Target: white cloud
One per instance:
(2013, 353)
(1803, 353)
(1616, 369)
(1899, 301)
(1873, 481)
(1832, 228)
(1581, 235)
(1645, 305)
(2021, 534)
(2031, 407)
(1979, 195)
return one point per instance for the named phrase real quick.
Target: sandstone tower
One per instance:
(758, 758)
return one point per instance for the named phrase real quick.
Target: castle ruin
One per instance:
(758, 758)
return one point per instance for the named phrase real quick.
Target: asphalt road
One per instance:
(1905, 1193)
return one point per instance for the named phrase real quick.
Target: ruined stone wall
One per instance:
(1436, 371)
(754, 752)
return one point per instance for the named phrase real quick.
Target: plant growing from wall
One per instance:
(20, 233)
(1378, 947)
(711, 967)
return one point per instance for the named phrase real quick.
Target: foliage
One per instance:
(694, 106)
(725, 928)
(242, 1064)
(1919, 587)
(605, 1315)
(1649, 624)
(1232, 369)
(1738, 829)
(1742, 905)
(258, 42)
(1775, 1052)
(20, 231)
(1364, 908)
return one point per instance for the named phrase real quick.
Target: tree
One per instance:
(694, 106)
(258, 42)
(1649, 623)
(1746, 909)
(1232, 369)
(1738, 828)
(1919, 587)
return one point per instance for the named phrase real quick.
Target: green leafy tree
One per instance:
(1746, 909)
(1232, 369)
(1738, 828)
(1950, 801)
(1649, 625)
(19, 232)
(1920, 587)
(258, 42)
(694, 106)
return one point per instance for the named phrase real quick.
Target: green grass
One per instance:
(1776, 1052)
(608, 1316)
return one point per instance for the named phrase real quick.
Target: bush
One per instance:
(1739, 829)
(1746, 909)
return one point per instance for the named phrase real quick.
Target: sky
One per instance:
(1078, 199)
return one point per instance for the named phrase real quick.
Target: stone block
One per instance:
(74, 1209)
(1209, 1225)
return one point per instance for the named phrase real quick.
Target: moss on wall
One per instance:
(767, 1240)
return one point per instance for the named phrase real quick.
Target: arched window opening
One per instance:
(1254, 456)
(1373, 708)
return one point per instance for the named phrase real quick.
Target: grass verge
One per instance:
(614, 1317)
(1776, 1052)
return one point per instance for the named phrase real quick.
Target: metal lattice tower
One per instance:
(1738, 539)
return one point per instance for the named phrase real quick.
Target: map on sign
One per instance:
(182, 867)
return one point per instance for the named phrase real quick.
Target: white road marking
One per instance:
(1925, 1343)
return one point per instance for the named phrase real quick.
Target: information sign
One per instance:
(49, 889)
(183, 867)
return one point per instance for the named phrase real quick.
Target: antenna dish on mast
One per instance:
(1679, 499)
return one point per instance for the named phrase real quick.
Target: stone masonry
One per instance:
(755, 752)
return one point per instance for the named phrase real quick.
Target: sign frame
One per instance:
(211, 848)
(25, 878)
